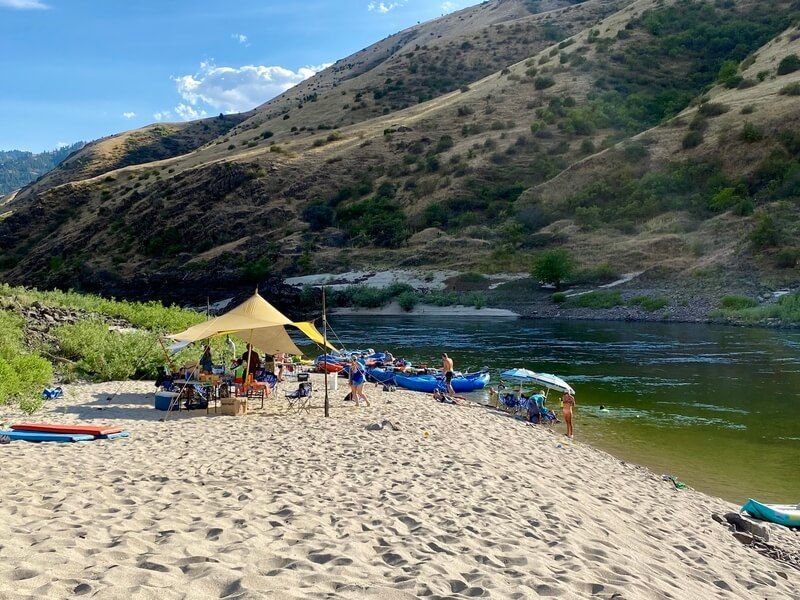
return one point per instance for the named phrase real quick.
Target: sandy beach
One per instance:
(458, 502)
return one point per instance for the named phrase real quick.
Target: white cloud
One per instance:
(189, 113)
(237, 89)
(240, 37)
(60, 145)
(384, 7)
(129, 115)
(162, 115)
(448, 6)
(24, 4)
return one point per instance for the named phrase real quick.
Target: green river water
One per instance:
(719, 407)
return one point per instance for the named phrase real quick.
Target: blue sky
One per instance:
(79, 69)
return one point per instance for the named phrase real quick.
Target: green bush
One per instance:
(559, 297)
(543, 82)
(793, 89)
(598, 299)
(554, 267)
(692, 140)
(751, 133)
(104, 355)
(765, 234)
(408, 300)
(737, 302)
(713, 109)
(649, 303)
(789, 64)
(787, 258)
(318, 215)
(597, 274)
(786, 309)
(148, 315)
(23, 374)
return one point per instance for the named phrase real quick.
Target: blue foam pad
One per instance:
(38, 436)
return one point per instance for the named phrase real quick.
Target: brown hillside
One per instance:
(558, 146)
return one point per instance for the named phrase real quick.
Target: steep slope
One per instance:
(18, 168)
(138, 146)
(480, 177)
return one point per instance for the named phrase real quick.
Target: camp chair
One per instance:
(301, 398)
(265, 385)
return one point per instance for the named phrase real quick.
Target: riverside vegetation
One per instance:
(85, 347)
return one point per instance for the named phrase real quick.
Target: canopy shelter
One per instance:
(257, 322)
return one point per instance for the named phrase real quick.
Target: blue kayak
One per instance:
(782, 514)
(469, 382)
(39, 436)
(379, 375)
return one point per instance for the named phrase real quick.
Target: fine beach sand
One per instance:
(298, 506)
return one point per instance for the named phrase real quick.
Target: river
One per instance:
(716, 406)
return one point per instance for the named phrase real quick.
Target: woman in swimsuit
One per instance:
(567, 405)
(357, 383)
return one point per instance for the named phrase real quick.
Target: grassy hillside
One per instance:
(655, 136)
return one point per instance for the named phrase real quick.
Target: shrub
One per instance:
(543, 82)
(713, 109)
(554, 267)
(725, 199)
(692, 140)
(148, 315)
(793, 89)
(22, 374)
(408, 300)
(559, 297)
(789, 64)
(597, 274)
(649, 303)
(750, 133)
(599, 299)
(765, 234)
(737, 302)
(787, 258)
(318, 216)
(105, 355)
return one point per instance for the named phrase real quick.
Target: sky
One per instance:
(75, 70)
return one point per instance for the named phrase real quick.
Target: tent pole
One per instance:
(325, 350)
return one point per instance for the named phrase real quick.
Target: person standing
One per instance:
(567, 407)
(357, 383)
(206, 361)
(251, 361)
(447, 367)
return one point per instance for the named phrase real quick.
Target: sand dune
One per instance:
(459, 503)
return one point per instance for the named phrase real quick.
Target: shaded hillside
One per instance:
(135, 147)
(18, 168)
(580, 143)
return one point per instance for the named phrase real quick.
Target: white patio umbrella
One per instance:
(551, 382)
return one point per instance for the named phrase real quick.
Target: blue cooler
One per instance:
(164, 399)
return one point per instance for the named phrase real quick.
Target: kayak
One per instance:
(384, 376)
(782, 514)
(469, 382)
(328, 364)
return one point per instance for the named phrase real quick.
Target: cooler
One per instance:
(164, 400)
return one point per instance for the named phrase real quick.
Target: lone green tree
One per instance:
(553, 266)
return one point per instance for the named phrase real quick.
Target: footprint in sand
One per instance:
(82, 589)
(213, 534)
(23, 574)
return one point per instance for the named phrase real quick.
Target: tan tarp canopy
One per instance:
(254, 320)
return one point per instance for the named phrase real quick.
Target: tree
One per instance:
(553, 266)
